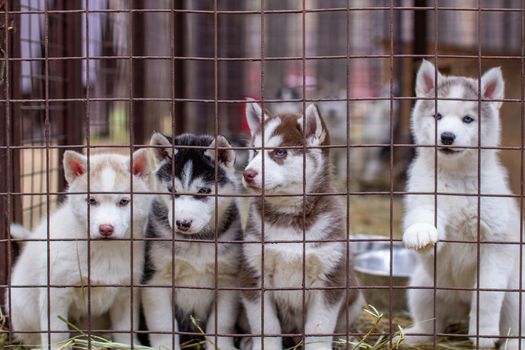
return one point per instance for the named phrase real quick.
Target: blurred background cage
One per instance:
(107, 73)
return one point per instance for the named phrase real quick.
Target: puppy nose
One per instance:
(183, 225)
(106, 230)
(447, 138)
(249, 175)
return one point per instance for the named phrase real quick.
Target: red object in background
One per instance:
(244, 126)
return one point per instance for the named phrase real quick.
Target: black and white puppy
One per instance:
(191, 211)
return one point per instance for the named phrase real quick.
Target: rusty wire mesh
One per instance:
(97, 75)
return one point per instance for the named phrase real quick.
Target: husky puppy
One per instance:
(326, 262)
(456, 217)
(63, 273)
(200, 175)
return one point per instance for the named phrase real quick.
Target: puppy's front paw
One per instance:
(484, 343)
(411, 336)
(223, 343)
(512, 344)
(486, 339)
(256, 344)
(420, 236)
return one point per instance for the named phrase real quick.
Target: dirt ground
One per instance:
(375, 215)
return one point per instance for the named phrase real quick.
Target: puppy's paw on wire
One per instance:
(420, 236)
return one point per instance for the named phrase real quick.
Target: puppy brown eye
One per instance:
(123, 202)
(204, 190)
(92, 201)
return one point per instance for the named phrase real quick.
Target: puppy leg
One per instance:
(121, 313)
(321, 318)
(494, 274)
(23, 302)
(344, 323)
(227, 310)
(510, 320)
(510, 312)
(55, 332)
(420, 304)
(158, 311)
(271, 322)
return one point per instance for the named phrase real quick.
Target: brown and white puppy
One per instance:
(294, 218)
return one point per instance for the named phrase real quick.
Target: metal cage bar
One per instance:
(90, 73)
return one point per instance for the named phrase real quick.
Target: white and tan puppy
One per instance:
(456, 216)
(63, 272)
(327, 303)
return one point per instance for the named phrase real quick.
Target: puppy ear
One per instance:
(493, 86)
(225, 157)
(140, 163)
(254, 115)
(426, 79)
(314, 130)
(75, 165)
(164, 152)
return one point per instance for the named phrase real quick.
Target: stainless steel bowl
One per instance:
(377, 262)
(361, 243)
(373, 269)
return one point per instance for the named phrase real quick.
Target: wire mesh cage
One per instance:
(271, 232)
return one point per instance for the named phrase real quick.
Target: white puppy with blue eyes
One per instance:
(450, 220)
(58, 260)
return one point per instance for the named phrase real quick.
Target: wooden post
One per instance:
(138, 117)
(179, 76)
(70, 29)
(10, 134)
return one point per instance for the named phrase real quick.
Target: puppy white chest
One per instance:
(195, 274)
(100, 300)
(289, 270)
(287, 274)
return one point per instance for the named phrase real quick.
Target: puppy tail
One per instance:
(19, 232)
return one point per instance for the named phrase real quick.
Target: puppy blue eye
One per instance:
(438, 116)
(92, 201)
(205, 190)
(123, 202)
(468, 119)
(280, 153)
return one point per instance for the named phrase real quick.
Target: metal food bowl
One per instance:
(361, 243)
(373, 269)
